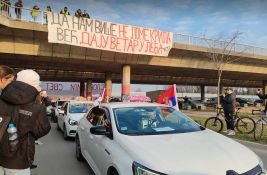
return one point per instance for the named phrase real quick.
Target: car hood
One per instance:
(203, 153)
(76, 116)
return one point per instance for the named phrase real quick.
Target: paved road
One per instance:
(199, 113)
(262, 154)
(57, 156)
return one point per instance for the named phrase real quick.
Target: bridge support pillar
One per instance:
(126, 82)
(89, 95)
(202, 92)
(108, 85)
(82, 89)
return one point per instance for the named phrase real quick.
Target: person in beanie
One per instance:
(228, 102)
(30, 119)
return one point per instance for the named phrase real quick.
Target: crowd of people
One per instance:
(35, 11)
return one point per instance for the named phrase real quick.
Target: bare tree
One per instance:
(220, 51)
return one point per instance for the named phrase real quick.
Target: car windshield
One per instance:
(152, 121)
(79, 107)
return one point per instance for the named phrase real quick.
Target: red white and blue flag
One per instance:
(169, 97)
(101, 97)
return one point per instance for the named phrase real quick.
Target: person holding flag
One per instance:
(169, 97)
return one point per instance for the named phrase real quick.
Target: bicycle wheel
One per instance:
(245, 125)
(214, 124)
(258, 129)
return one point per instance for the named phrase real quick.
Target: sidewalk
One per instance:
(199, 113)
(253, 144)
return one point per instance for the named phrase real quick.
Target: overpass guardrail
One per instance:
(9, 11)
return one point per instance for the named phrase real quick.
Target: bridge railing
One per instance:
(22, 14)
(206, 43)
(26, 15)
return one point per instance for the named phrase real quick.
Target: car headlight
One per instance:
(262, 165)
(142, 170)
(72, 122)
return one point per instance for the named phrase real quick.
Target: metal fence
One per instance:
(22, 14)
(204, 42)
(25, 14)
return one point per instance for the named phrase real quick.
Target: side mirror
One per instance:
(198, 122)
(99, 130)
(61, 112)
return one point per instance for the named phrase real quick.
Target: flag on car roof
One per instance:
(101, 97)
(169, 97)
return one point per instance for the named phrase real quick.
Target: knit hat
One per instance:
(30, 77)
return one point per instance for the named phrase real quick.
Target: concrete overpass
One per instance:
(25, 45)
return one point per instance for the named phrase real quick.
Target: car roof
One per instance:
(130, 104)
(62, 100)
(80, 101)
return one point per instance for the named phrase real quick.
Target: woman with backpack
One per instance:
(18, 100)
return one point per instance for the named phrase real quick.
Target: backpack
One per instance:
(5, 149)
(4, 121)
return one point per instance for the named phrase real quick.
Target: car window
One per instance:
(152, 120)
(95, 116)
(98, 116)
(65, 108)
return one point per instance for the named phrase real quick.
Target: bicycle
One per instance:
(244, 125)
(259, 124)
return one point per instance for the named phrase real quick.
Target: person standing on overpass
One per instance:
(65, 11)
(18, 6)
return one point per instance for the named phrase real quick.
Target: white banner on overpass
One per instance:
(69, 88)
(97, 34)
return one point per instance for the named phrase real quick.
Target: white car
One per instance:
(154, 139)
(58, 106)
(70, 114)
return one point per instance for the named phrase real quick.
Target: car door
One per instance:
(101, 145)
(61, 117)
(87, 138)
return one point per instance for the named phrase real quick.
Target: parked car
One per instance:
(70, 114)
(58, 105)
(211, 101)
(260, 101)
(155, 139)
(195, 103)
(244, 101)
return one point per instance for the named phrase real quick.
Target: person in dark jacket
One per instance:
(65, 11)
(30, 120)
(263, 97)
(228, 102)
(45, 100)
(18, 6)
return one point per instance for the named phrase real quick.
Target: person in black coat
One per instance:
(263, 97)
(228, 102)
(19, 100)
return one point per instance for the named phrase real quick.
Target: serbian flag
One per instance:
(101, 97)
(169, 97)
